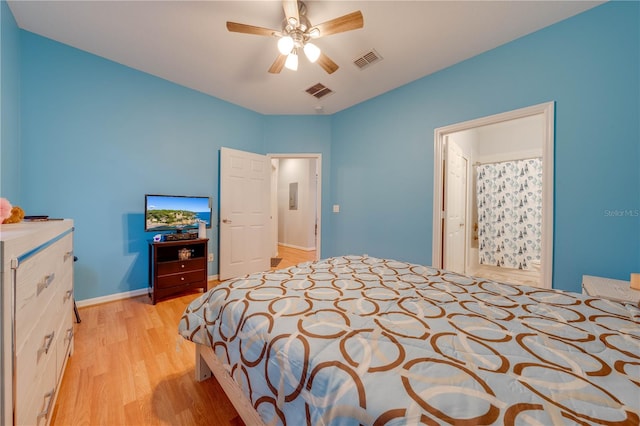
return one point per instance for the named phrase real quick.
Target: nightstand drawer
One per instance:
(179, 266)
(179, 279)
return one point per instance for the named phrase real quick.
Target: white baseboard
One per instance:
(112, 297)
(123, 295)
(297, 247)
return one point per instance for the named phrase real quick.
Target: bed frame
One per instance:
(207, 365)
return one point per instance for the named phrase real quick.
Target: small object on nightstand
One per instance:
(607, 288)
(635, 281)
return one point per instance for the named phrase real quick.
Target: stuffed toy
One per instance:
(5, 209)
(17, 214)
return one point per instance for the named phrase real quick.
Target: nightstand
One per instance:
(607, 288)
(177, 266)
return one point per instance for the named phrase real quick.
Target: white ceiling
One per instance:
(187, 42)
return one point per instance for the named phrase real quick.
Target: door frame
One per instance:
(318, 158)
(547, 110)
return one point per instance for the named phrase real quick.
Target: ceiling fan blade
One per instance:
(291, 10)
(351, 21)
(327, 64)
(277, 65)
(235, 27)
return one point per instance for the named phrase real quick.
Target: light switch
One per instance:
(336, 208)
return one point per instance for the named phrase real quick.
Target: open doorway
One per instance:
(505, 233)
(295, 208)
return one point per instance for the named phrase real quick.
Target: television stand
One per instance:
(176, 267)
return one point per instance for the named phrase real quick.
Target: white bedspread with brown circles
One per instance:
(360, 340)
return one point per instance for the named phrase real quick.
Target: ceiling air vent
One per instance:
(319, 90)
(371, 57)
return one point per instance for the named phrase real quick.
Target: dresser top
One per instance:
(19, 238)
(611, 289)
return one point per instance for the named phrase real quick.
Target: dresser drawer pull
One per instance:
(48, 340)
(46, 411)
(69, 335)
(67, 295)
(46, 282)
(67, 255)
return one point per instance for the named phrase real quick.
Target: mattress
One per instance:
(362, 340)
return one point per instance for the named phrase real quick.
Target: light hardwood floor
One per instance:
(291, 256)
(130, 367)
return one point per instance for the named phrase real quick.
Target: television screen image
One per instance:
(176, 212)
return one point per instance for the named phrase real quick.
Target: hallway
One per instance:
(292, 256)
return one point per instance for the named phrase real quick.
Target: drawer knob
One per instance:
(181, 278)
(46, 411)
(67, 295)
(48, 340)
(182, 266)
(46, 282)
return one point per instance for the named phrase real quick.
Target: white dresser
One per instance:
(37, 317)
(607, 288)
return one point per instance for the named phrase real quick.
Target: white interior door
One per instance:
(245, 181)
(455, 208)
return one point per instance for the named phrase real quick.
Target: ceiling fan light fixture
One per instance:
(285, 45)
(312, 52)
(314, 32)
(292, 61)
(292, 21)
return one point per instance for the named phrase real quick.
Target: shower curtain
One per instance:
(509, 203)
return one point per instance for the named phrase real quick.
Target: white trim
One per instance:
(318, 158)
(547, 110)
(124, 295)
(112, 297)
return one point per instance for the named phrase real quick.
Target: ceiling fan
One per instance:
(297, 33)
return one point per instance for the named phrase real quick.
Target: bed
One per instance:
(362, 340)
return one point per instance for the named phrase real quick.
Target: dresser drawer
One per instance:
(65, 337)
(36, 407)
(179, 279)
(36, 355)
(166, 268)
(37, 281)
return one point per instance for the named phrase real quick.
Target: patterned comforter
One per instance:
(360, 340)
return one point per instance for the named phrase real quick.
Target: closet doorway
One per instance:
(506, 198)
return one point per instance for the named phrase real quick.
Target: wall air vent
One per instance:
(369, 58)
(319, 90)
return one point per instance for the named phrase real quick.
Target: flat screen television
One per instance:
(175, 213)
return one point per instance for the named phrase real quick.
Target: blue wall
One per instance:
(9, 106)
(95, 136)
(382, 150)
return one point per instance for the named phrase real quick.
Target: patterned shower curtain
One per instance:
(509, 199)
